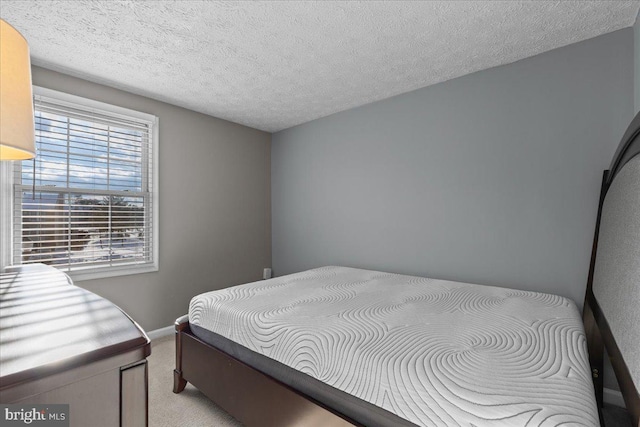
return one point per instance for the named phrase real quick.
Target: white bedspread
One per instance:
(434, 352)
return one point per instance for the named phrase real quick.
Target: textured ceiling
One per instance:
(272, 65)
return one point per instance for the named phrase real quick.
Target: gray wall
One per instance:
(490, 178)
(214, 206)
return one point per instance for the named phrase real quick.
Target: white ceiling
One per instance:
(272, 65)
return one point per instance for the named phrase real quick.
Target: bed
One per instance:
(338, 346)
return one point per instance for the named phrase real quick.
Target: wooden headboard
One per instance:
(612, 302)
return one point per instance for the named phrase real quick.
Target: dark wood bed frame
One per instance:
(599, 336)
(259, 400)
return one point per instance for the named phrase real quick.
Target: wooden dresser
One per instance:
(62, 344)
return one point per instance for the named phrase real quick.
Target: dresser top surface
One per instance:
(47, 324)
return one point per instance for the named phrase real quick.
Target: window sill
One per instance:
(81, 276)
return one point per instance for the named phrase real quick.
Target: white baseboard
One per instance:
(162, 332)
(613, 397)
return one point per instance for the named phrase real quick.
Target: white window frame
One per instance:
(7, 188)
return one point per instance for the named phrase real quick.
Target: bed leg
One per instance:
(596, 352)
(179, 383)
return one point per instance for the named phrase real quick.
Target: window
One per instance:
(87, 204)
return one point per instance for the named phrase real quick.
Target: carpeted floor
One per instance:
(192, 409)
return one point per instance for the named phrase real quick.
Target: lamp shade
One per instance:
(16, 96)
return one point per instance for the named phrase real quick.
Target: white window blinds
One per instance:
(86, 201)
